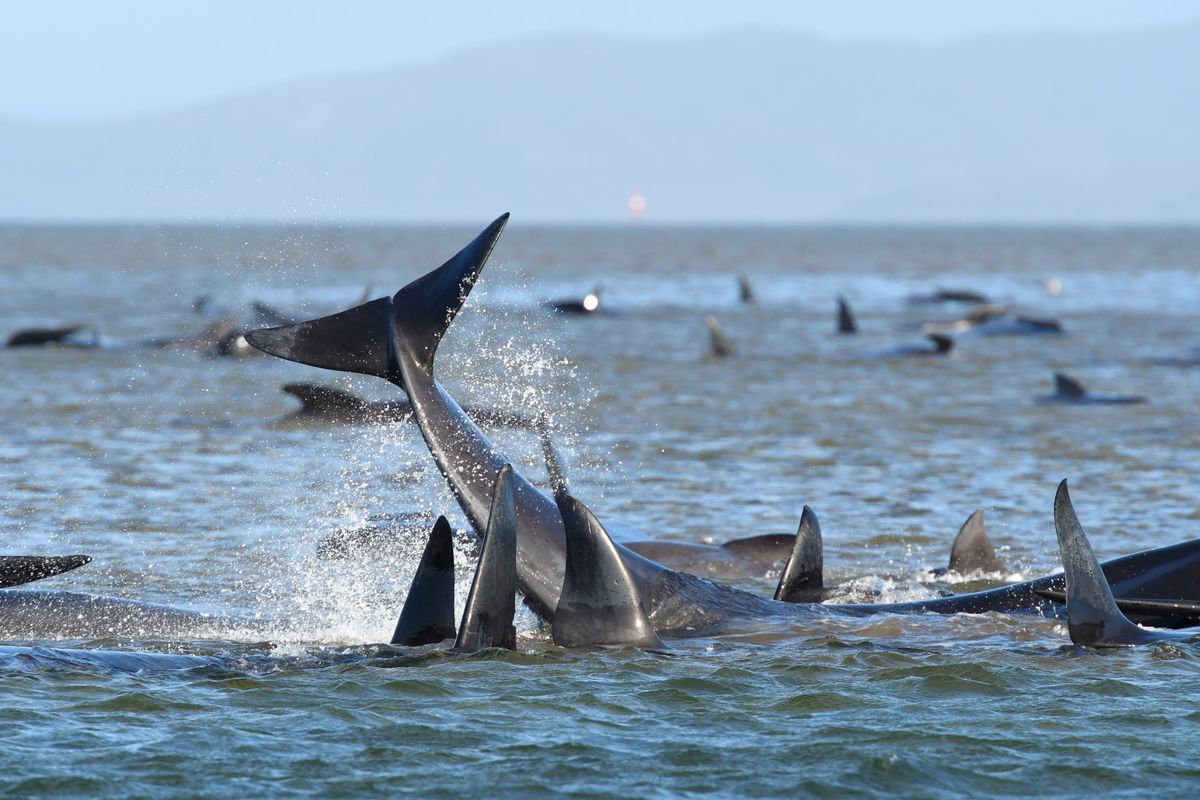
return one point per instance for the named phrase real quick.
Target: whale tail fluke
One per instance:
(803, 578)
(364, 338)
(428, 614)
(1093, 617)
(600, 604)
(487, 620)
(972, 550)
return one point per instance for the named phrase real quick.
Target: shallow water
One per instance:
(173, 470)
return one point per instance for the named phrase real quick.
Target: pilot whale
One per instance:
(396, 338)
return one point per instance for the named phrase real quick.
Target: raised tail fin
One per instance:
(488, 617)
(1092, 615)
(428, 614)
(368, 338)
(600, 604)
(803, 578)
(972, 550)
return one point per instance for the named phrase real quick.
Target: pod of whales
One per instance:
(396, 338)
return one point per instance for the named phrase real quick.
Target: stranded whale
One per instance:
(1069, 391)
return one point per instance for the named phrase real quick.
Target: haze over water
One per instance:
(170, 468)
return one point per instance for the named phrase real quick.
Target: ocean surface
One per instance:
(182, 476)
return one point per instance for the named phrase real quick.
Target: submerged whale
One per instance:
(334, 405)
(396, 338)
(1069, 391)
(943, 345)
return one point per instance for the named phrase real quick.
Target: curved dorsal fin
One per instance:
(803, 576)
(1066, 386)
(428, 615)
(600, 604)
(972, 551)
(846, 322)
(17, 570)
(487, 620)
(1092, 614)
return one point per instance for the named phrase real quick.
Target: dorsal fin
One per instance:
(803, 577)
(720, 344)
(943, 342)
(487, 620)
(1092, 615)
(600, 604)
(745, 289)
(316, 399)
(972, 551)
(846, 322)
(554, 468)
(17, 570)
(428, 615)
(363, 339)
(38, 336)
(1066, 386)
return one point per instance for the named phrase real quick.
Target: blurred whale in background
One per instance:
(949, 296)
(720, 345)
(1069, 391)
(335, 405)
(588, 304)
(943, 345)
(846, 323)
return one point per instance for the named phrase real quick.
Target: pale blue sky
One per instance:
(61, 59)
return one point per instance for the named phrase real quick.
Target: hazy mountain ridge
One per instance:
(743, 125)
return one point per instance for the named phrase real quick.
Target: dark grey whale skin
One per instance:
(32, 614)
(396, 338)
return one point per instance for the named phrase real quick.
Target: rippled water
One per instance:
(175, 471)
